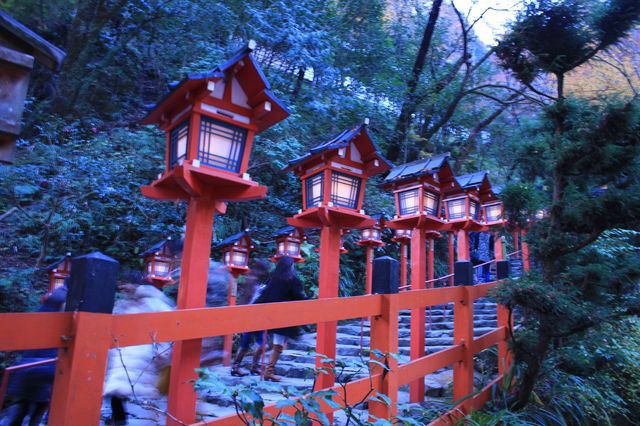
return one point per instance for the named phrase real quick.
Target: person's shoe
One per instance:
(238, 371)
(256, 368)
(269, 371)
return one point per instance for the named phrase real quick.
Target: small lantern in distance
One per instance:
(402, 236)
(58, 272)
(373, 236)
(160, 260)
(464, 200)
(235, 252)
(418, 187)
(288, 242)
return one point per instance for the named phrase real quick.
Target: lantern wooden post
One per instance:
(418, 281)
(403, 265)
(334, 176)
(450, 255)
(431, 262)
(526, 262)
(462, 245)
(210, 120)
(192, 293)
(328, 286)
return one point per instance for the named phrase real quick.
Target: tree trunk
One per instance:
(534, 363)
(409, 101)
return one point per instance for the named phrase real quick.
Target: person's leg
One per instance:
(21, 411)
(245, 343)
(278, 346)
(257, 354)
(38, 411)
(118, 413)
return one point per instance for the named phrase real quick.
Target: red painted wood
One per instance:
(35, 330)
(526, 261)
(192, 293)
(497, 246)
(418, 282)
(428, 364)
(431, 262)
(403, 265)
(368, 285)
(450, 255)
(462, 245)
(328, 285)
(463, 335)
(80, 371)
(504, 354)
(384, 337)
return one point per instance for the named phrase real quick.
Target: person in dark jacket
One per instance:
(251, 290)
(283, 286)
(31, 387)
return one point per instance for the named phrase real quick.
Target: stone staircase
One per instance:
(297, 363)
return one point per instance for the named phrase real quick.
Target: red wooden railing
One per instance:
(85, 338)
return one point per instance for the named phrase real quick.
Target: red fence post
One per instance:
(463, 335)
(526, 262)
(80, 371)
(418, 282)
(384, 337)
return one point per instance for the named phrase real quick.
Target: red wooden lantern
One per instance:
(288, 242)
(473, 205)
(210, 120)
(372, 237)
(334, 175)
(160, 260)
(402, 236)
(235, 252)
(418, 189)
(58, 272)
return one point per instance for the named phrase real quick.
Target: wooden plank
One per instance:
(428, 364)
(434, 296)
(384, 338)
(139, 329)
(489, 339)
(480, 290)
(34, 330)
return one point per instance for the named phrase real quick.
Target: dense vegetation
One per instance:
(428, 85)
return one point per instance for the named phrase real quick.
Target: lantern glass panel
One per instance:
(344, 190)
(456, 208)
(313, 189)
(293, 248)
(493, 212)
(160, 269)
(473, 209)
(178, 142)
(221, 145)
(430, 203)
(281, 248)
(239, 258)
(58, 282)
(408, 202)
(371, 234)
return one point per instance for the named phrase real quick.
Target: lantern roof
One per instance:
(418, 168)
(57, 263)
(360, 136)
(284, 231)
(233, 239)
(14, 32)
(173, 246)
(480, 182)
(251, 80)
